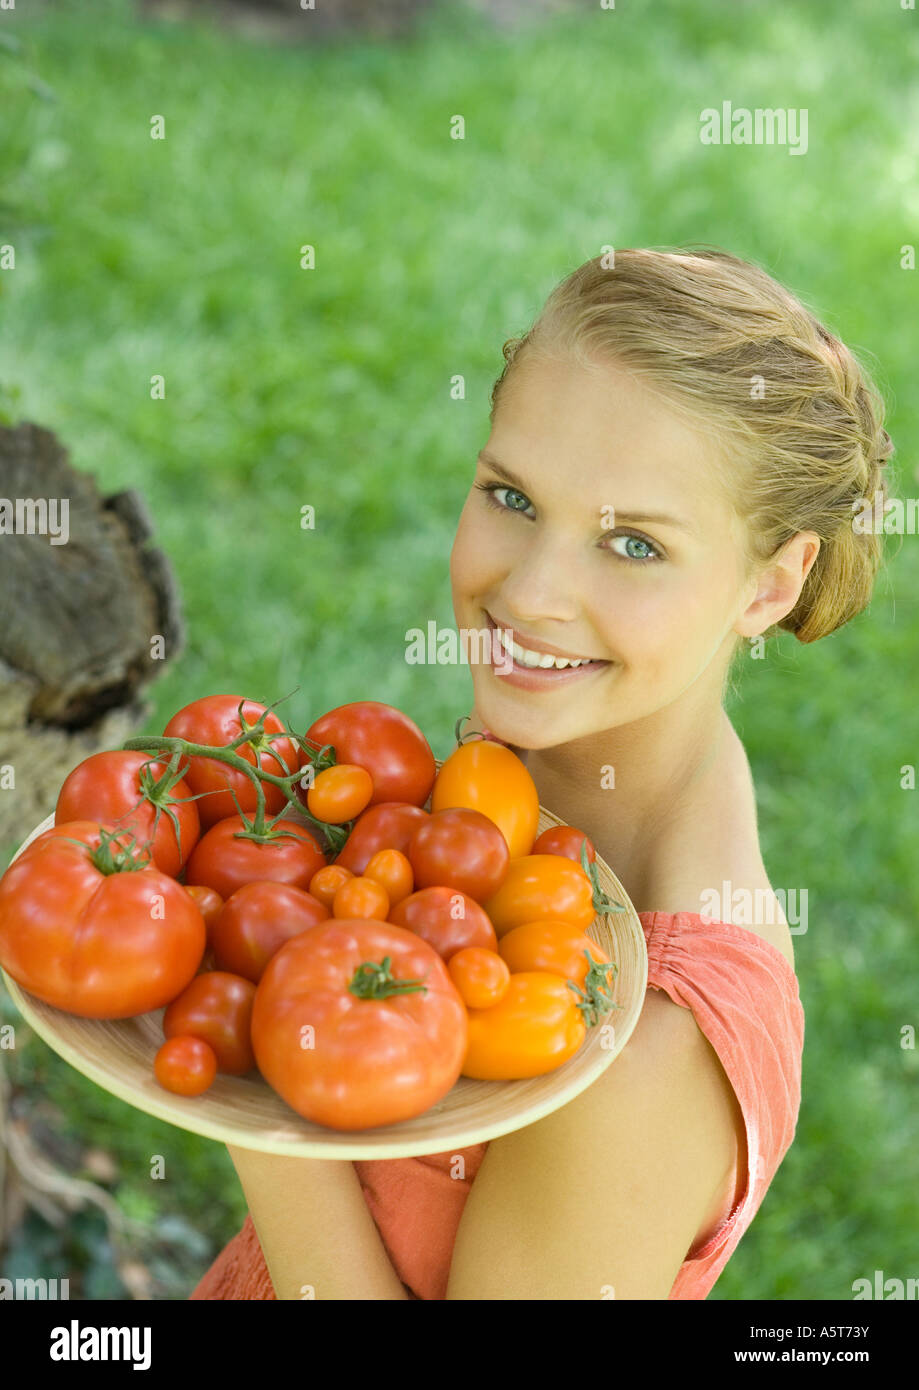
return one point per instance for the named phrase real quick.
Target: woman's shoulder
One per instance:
(708, 859)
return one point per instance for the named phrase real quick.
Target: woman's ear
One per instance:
(779, 584)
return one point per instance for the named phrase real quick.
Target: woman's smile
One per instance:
(536, 676)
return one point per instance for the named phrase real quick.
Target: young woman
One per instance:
(678, 449)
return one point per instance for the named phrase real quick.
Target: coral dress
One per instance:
(743, 994)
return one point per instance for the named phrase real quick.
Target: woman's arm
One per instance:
(315, 1228)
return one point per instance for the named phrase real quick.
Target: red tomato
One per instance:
(226, 863)
(388, 826)
(107, 787)
(256, 921)
(91, 938)
(564, 840)
(383, 741)
(337, 1045)
(446, 919)
(217, 1008)
(459, 848)
(214, 720)
(186, 1066)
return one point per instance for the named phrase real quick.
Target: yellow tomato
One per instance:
(542, 887)
(535, 1027)
(487, 777)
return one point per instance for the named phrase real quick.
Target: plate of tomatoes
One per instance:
(327, 944)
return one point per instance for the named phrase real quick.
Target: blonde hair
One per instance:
(797, 419)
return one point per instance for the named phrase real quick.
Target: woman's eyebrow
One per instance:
(656, 518)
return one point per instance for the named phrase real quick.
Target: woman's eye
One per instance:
(647, 550)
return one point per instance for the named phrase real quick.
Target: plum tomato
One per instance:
(542, 887)
(535, 1026)
(326, 882)
(340, 793)
(360, 896)
(487, 777)
(393, 869)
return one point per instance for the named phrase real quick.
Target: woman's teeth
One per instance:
(527, 658)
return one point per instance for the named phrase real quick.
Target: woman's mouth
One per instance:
(535, 676)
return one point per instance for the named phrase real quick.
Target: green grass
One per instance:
(331, 387)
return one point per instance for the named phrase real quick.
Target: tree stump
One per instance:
(89, 614)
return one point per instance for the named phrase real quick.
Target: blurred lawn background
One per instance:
(332, 388)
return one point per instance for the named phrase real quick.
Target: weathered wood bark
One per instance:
(87, 621)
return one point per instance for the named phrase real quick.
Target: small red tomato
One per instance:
(459, 848)
(564, 839)
(185, 1065)
(446, 919)
(256, 921)
(217, 1008)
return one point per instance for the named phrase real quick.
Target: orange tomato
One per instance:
(361, 897)
(534, 1028)
(326, 882)
(484, 776)
(340, 793)
(542, 887)
(394, 870)
(555, 946)
(481, 976)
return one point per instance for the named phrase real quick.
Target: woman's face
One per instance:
(560, 555)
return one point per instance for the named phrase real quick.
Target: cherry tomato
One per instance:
(393, 869)
(224, 862)
(481, 976)
(107, 787)
(534, 1028)
(217, 1008)
(446, 919)
(383, 741)
(487, 777)
(214, 720)
(186, 1066)
(564, 839)
(462, 849)
(326, 882)
(340, 793)
(542, 887)
(338, 1045)
(388, 826)
(361, 897)
(86, 930)
(257, 920)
